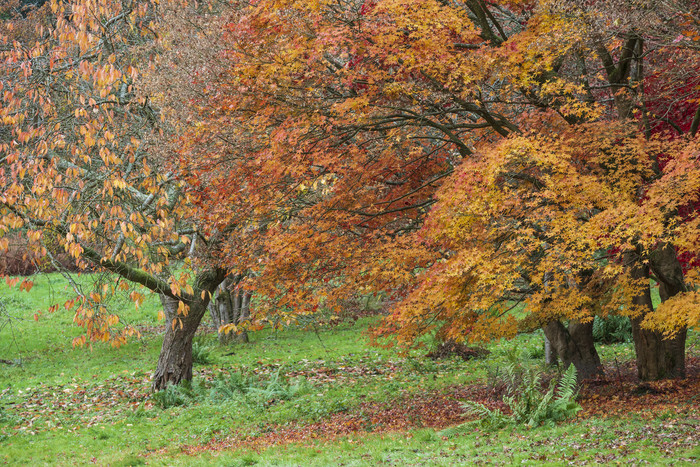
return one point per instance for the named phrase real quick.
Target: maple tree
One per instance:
(348, 117)
(528, 203)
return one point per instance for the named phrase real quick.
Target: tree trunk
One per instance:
(550, 355)
(245, 314)
(231, 306)
(175, 360)
(657, 357)
(574, 345)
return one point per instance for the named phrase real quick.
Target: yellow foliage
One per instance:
(678, 312)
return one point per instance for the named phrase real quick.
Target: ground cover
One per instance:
(307, 397)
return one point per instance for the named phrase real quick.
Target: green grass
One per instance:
(582, 442)
(66, 406)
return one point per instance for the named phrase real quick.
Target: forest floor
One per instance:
(319, 396)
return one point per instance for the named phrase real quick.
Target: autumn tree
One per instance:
(348, 117)
(336, 169)
(80, 171)
(575, 278)
(348, 127)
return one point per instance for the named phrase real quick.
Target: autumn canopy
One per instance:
(489, 167)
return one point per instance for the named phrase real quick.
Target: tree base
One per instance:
(574, 346)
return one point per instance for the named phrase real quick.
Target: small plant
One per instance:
(256, 391)
(175, 395)
(488, 418)
(528, 404)
(201, 354)
(494, 377)
(612, 329)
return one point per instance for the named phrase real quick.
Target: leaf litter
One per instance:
(81, 404)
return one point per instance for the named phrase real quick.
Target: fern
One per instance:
(255, 391)
(201, 354)
(565, 405)
(528, 404)
(488, 418)
(612, 329)
(171, 396)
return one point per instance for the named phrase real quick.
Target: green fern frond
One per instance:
(528, 403)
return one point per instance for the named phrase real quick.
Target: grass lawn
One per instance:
(306, 398)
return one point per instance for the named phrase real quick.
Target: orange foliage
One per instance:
(333, 130)
(463, 158)
(77, 174)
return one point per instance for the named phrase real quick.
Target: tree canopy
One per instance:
(494, 167)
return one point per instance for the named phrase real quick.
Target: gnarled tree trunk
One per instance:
(574, 346)
(175, 360)
(657, 357)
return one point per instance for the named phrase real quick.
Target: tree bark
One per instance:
(550, 354)
(574, 345)
(245, 314)
(657, 357)
(231, 306)
(175, 360)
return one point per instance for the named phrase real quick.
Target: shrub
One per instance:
(528, 403)
(612, 329)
